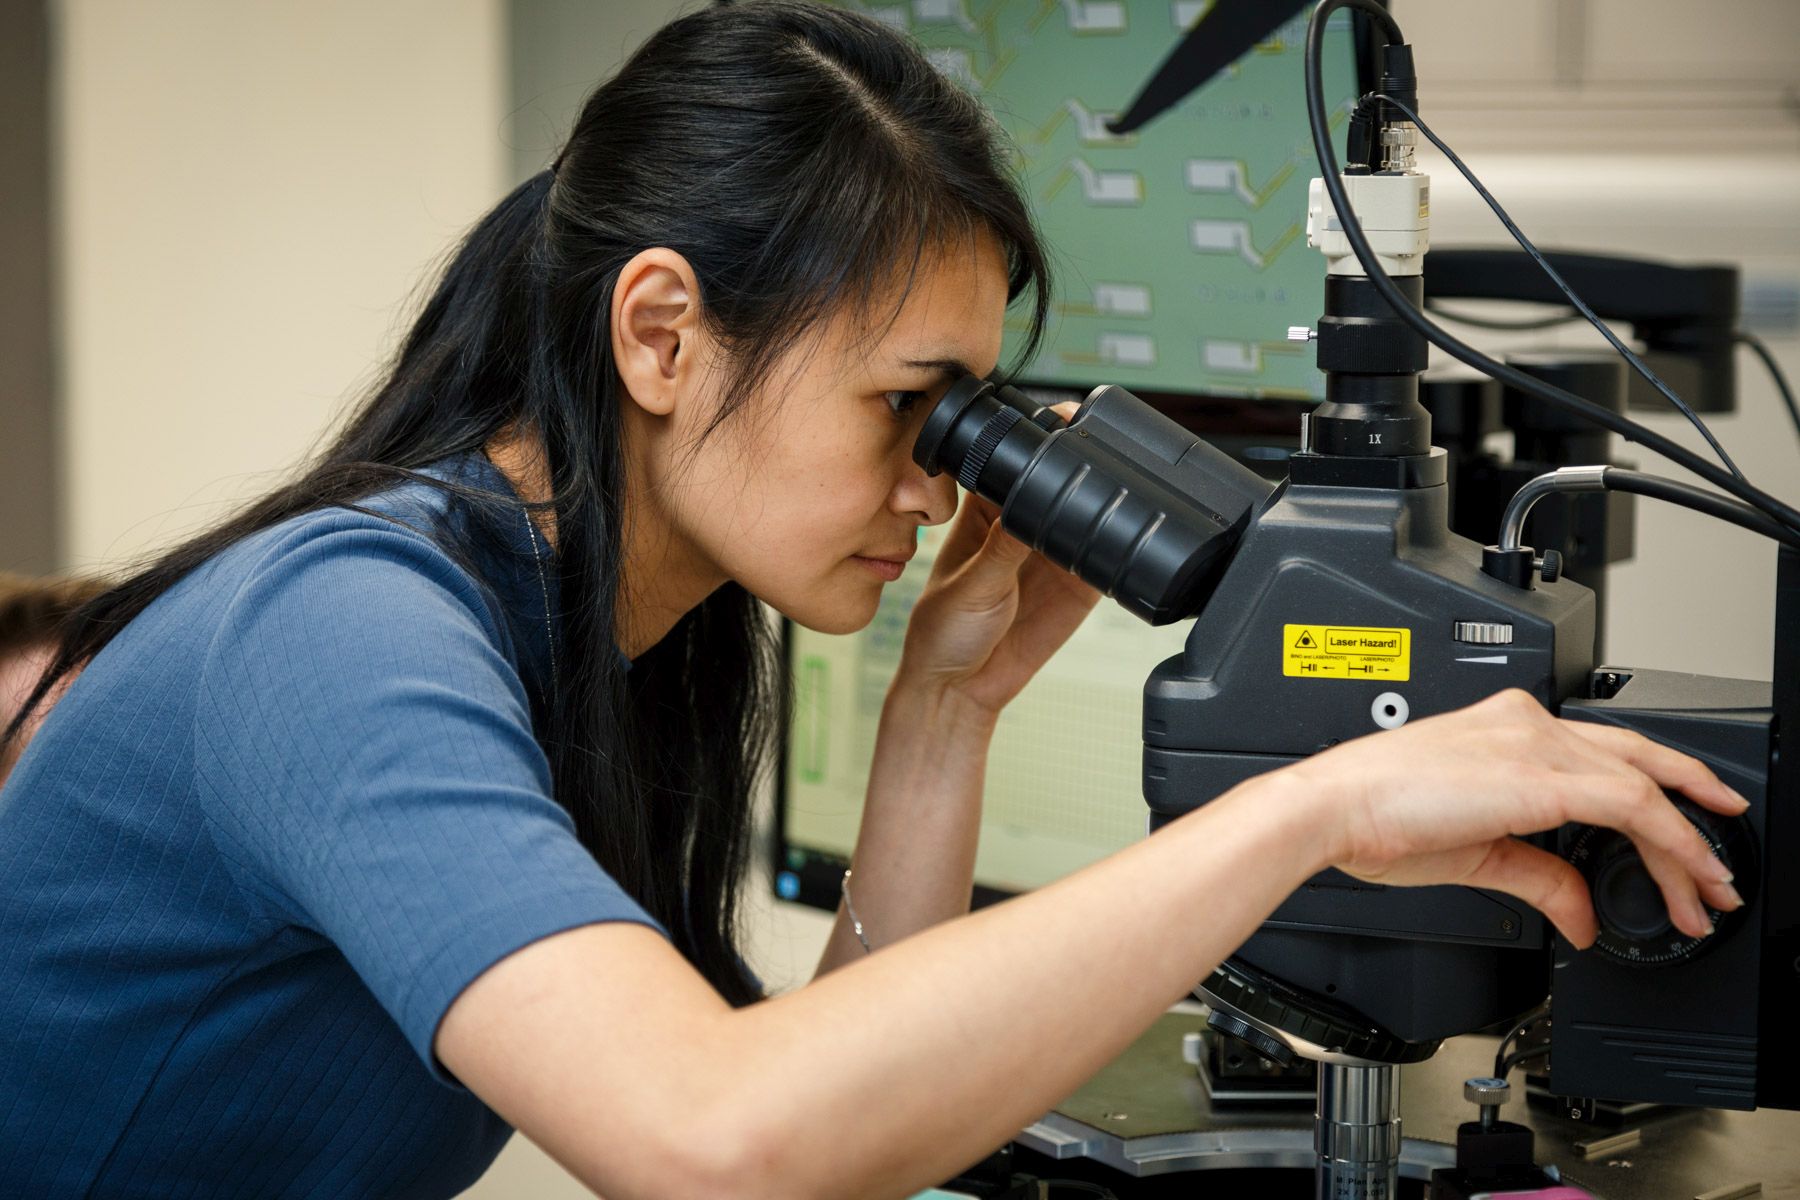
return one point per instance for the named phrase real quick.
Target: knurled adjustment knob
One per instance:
(1485, 633)
(1550, 566)
(1271, 1048)
(986, 442)
(1487, 1091)
(1635, 927)
(1475, 1145)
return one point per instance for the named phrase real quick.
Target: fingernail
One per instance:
(1739, 797)
(1721, 873)
(1737, 901)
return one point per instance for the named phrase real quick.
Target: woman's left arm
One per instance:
(992, 614)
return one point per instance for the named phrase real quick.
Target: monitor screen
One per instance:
(1181, 260)
(1179, 249)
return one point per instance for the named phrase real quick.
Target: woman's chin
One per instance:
(834, 615)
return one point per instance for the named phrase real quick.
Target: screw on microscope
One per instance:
(1489, 1093)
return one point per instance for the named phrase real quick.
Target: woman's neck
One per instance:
(658, 585)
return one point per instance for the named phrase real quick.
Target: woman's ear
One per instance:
(656, 328)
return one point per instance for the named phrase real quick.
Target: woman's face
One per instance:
(807, 496)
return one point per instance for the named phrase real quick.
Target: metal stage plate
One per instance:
(1147, 1114)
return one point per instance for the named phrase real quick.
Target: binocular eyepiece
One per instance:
(1120, 495)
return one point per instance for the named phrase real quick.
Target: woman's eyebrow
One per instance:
(952, 369)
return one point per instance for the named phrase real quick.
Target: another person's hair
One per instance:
(33, 613)
(804, 160)
(32, 609)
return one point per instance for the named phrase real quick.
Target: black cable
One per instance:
(1525, 1022)
(1562, 285)
(1321, 136)
(1768, 360)
(1518, 1056)
(1619, 479)
(1525, 326)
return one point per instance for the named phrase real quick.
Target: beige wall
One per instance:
(248, 194)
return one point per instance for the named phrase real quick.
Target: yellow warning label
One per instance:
(1346, 652)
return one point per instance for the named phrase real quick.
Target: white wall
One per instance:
(248, 193)
(1698, 595)
(1659, 129)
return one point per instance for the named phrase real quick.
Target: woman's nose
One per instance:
(931, 497)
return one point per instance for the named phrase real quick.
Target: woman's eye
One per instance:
(902, 403)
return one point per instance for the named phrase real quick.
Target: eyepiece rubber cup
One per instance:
(928, 450)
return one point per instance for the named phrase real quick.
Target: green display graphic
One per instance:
(1180, 250)
(812, 718)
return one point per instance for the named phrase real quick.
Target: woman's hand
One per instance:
(1440, 800)
(993, 612)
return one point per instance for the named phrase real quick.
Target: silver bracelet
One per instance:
(855, 921)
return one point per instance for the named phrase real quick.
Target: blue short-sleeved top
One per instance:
(267, 837)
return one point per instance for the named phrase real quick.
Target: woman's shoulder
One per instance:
(331, 593)
(412, 537)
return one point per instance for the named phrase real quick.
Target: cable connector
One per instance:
(1398, 81)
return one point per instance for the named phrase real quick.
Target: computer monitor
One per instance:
(1181, 260)
(1180, 249)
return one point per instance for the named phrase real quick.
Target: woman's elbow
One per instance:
(741, 1154)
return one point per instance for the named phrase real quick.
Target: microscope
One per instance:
(1338, 603)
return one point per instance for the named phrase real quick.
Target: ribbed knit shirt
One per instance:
(267, 837)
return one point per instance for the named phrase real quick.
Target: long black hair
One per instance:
(801, 158)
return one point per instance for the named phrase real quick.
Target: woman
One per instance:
(410, 806)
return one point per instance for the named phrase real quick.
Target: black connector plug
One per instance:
(1399, 80)
(1359, 141)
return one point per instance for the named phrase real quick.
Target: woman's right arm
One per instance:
(606, 1048)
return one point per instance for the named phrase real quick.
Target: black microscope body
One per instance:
(1338, 603)
(1349, 607)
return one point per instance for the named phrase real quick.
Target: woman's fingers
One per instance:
(992, 576)
(1672, 850)
(1544, 881)
(1680, 891)
(1668, 766)
(1533, 773)
(1628, 795)
(968, 533)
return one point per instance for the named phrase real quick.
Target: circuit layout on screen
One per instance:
(1180, 249)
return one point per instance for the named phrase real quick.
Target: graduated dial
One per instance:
(1634, 922)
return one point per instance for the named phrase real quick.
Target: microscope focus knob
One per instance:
(1635, 928)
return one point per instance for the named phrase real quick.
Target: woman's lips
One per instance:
(887, 569)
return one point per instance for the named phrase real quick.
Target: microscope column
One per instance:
(1357, 1132)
